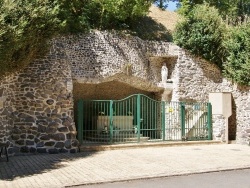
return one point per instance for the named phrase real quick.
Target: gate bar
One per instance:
(209, 120)
(163, 120)
(111, 120)
(138, 106)
(80, 121)
(182, 120)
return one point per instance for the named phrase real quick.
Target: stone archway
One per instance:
(115, 87)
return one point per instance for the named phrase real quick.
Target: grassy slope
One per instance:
(157, 25)
(167, 18)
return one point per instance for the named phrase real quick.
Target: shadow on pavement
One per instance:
(28, 165)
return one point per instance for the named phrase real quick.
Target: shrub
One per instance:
(237, 63)
(202, 33)
(24, 28)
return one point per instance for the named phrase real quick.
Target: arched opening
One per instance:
(114, 88)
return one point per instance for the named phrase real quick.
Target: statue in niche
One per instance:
(164, 73)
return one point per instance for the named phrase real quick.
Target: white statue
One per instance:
(164, 73)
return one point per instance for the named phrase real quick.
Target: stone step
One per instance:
(98, 147)
(120, 138)
(122, 134)
(142, 139)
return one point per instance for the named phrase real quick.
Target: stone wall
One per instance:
(100, 55)
(197, 78)
(37, 112)
(37, 104)
(7, 109)
(103, 55)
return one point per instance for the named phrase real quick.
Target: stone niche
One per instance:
(157, 64)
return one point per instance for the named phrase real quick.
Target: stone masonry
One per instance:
(197, 78)
(37, 110)
(37, 103)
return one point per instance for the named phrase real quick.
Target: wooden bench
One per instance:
(3, 146)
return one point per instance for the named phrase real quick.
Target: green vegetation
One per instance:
(222, 39)
(23, 27)
(202, 33)
(226, 8)
(215, 30)
(27, 26)
(237, 63)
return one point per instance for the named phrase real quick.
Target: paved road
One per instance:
(223, 179)
(60, 170)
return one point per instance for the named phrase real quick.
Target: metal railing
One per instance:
(139, 118)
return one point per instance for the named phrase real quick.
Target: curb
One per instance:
(156, 177)
(144, 145)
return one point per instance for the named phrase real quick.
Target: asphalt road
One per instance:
(224, 179)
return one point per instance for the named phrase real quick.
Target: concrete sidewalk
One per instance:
(62, 170)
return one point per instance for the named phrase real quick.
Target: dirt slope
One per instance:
(164, 17)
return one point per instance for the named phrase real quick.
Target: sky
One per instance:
(171, 6)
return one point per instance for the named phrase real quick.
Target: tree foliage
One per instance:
(24, 25)
(237, 63)
(27, 25)
(226, 8)
(106, 14)
(202, 33)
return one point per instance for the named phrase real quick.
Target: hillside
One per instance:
(167, 18)
(158, 25)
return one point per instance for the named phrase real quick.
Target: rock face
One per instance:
(37, 112)
(37, 104)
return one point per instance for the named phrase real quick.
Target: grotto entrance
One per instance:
(115, 88)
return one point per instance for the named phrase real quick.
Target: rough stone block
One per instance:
(20, 142)
(53, 124)
(15, 136)
(51, 130)
(70, 136)
(53, 151)
(66, 123)
(58, 137)
(75, 143)
(63, 129)
(73, 150)
(45, 137)
(41, 150)
(32, 150)
(16, 131)
(40, 144)
(23, 136)
(41, 129)
(30, 136)
(68, 144)
(59, 145)
(30, 142)
(24, 149)
(63, 150)
(50, 143)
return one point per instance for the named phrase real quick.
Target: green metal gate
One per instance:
(139, 118)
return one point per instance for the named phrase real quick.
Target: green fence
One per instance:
(139, 118)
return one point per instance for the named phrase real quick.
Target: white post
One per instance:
(222, 105)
